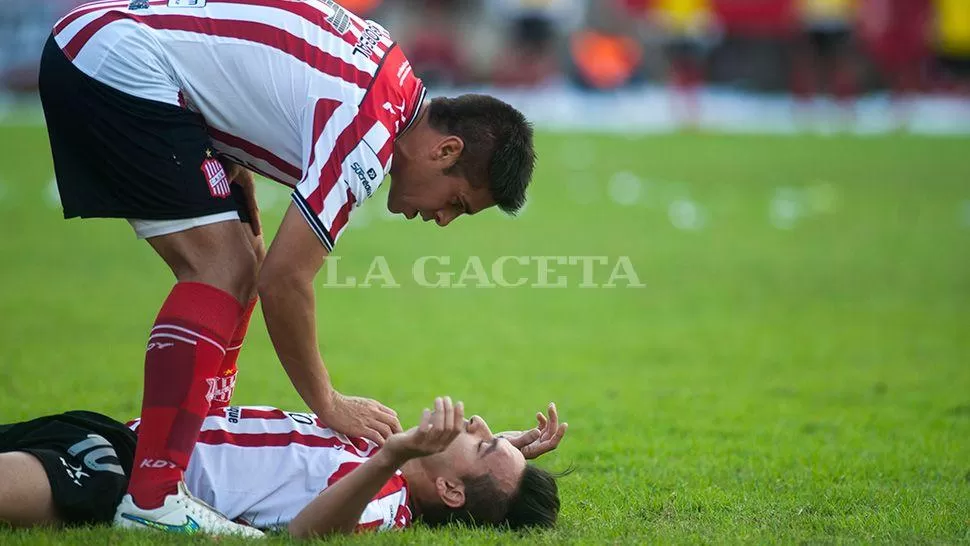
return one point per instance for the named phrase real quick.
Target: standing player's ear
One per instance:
(449, 150)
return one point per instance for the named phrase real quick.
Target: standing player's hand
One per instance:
(437, 430)
(244, 178)
(361, 417)
(541, 439)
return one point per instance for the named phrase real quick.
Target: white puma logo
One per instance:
(158, 345)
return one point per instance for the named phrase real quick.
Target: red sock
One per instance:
(185, 348)
(226, 378)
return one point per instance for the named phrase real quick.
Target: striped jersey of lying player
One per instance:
(279, 470)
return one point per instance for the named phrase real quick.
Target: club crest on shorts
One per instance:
(215, 176)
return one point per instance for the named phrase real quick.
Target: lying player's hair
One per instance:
(498, 145)
(535, 503)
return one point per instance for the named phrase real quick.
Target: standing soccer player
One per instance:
(158, 110)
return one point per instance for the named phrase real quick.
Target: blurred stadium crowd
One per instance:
(837, 48)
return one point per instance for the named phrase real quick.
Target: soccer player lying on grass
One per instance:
(278, 470)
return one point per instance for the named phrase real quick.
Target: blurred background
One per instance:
(864, 65)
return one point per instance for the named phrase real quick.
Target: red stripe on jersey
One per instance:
(258, 152)
(392, 486)
(330, 173)
(340, 219)
(259, 33)
(91, 8)
(304, 11)
(253, 413)
(403, 517)
(223, 437)
(342, 470)
(77, 42)
(322, 113)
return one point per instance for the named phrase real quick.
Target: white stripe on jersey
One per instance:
(332, 204)
(377, 137)
(70, 31)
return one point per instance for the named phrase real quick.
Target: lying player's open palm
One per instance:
(361, 417)
(437, 430)
(541, 439)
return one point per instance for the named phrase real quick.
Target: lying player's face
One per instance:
(477, 451)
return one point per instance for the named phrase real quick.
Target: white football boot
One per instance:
(181, 513)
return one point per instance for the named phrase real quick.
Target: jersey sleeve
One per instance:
(388, 509)
(349, 155)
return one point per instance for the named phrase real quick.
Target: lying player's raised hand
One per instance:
(361, 417)
(437, 430)
(541, 439)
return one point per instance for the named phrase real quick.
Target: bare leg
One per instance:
(25, 494)
(224, 255)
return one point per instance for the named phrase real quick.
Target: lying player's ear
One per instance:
(448, 150)
(451, 493)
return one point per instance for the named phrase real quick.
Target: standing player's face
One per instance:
(420, 187)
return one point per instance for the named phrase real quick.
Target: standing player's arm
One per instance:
(289, 307)
(286, 292)
(339, 507)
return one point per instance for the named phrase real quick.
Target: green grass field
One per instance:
(795, 369)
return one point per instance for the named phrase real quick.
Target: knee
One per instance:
(241, 274)
(220, 255)
(259, 249)
(231, 270)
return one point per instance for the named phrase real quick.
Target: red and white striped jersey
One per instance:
(262, 465)
(302, 91)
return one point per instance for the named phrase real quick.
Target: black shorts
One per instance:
(120, 156)
(87, 458)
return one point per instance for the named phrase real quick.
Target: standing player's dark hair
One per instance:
(535, 503)
(498, 145)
